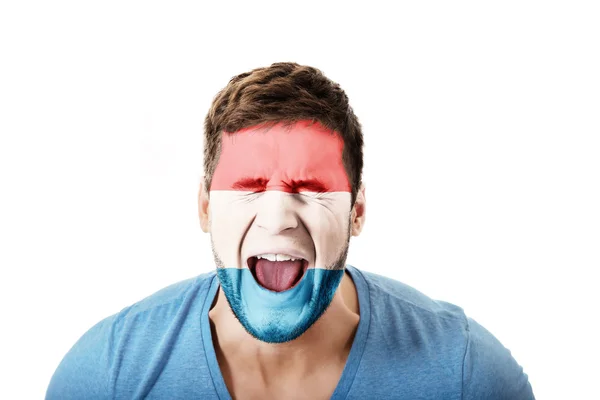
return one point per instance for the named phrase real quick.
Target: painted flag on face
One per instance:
(280, 213)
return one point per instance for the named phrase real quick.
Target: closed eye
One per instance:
(257, 185)
(250, 197)
(314, 195)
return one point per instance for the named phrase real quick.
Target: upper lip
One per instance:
(290, 252)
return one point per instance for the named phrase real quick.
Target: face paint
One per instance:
(280, 191)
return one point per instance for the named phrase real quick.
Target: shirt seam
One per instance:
(368, 297)
(462, 383)
(205, 339)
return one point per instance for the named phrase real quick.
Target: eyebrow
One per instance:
(249, 183)
(312, 185)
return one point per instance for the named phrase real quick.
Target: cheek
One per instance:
(328, 226)
(228, 222)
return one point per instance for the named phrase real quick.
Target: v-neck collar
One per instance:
(354, 357)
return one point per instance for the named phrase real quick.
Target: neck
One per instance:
(327, 341)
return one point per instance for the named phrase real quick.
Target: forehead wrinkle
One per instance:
(293, 138)
(293, 175)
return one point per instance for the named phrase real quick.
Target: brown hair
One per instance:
(283, 92)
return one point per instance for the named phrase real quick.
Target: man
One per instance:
(284, 317)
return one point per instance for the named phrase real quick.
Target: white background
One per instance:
(481, 125)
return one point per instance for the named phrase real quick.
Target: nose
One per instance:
(277, 212)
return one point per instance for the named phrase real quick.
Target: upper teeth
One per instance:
(277, 257)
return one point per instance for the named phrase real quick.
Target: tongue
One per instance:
(278, 275)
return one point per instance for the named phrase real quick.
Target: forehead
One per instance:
(302, 151)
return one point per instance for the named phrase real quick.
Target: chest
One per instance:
(249, 386)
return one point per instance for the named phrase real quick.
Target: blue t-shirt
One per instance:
(407, 346)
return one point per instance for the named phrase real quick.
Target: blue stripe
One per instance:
(277, 317)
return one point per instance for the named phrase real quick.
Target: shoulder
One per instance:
(489, 369)
(156, 312)
(388, 292)
(90, 367)
(172, 295)
(403, 320)
(440, 332)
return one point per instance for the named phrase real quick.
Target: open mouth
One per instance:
(277, 275)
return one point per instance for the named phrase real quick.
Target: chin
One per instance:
(279, 317)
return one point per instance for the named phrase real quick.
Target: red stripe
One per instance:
(305, 157)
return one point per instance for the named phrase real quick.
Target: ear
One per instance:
(203, 207)
(359, 211)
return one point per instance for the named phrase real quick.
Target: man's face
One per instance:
(279, 216)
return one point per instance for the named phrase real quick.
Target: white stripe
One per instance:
(316, 223)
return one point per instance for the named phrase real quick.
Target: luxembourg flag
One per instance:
(280, 218)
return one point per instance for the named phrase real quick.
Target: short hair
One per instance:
(284, 93)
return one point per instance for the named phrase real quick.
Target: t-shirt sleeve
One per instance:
(489, 370)
(84, 372)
